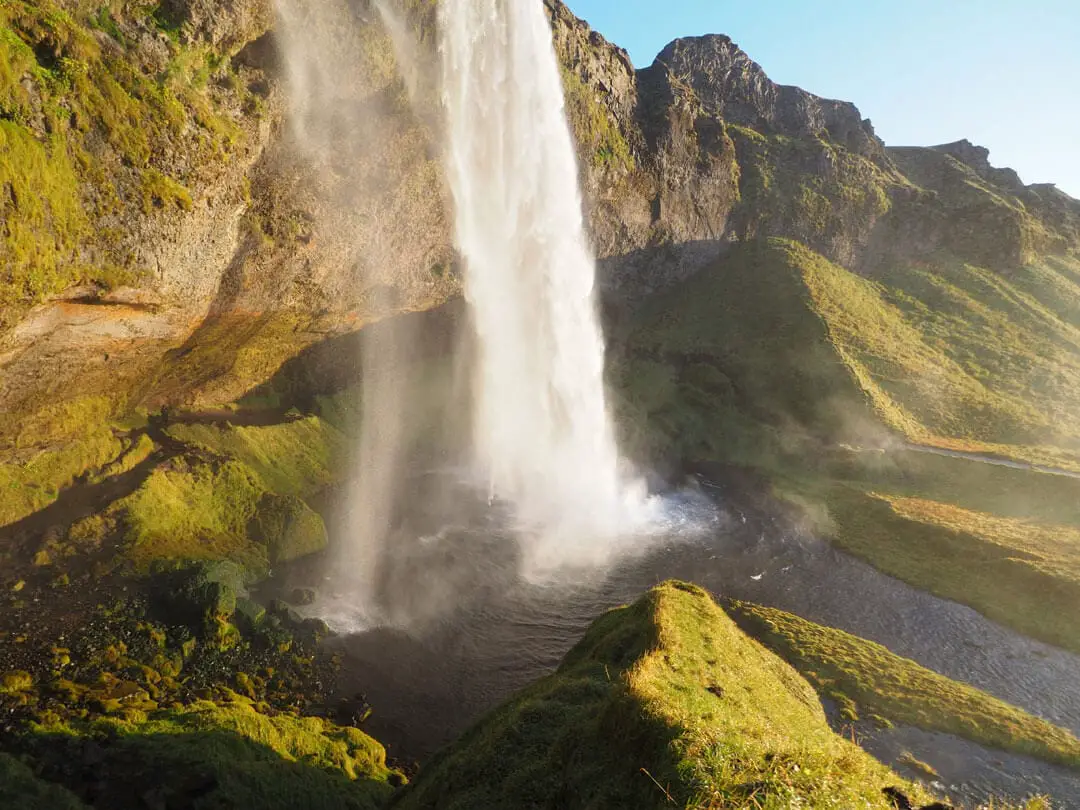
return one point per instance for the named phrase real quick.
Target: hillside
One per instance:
(662, 703)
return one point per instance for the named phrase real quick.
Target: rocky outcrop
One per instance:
(732, 87)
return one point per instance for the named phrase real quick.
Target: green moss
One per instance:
(226, 358)
(16, 681)
(289, 528)
(81, 129)
(663, 703)
(41, 206)
(19, 787)
(298, 457)
(160, 191)
(193, 511)
(898, 688)
(227, 753)
(34, 483)
(135, 452)
(595, 126)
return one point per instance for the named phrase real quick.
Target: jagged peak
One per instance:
(731, 85)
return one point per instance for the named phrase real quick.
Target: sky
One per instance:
(1005, 74)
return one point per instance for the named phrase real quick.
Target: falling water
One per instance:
(542, 430)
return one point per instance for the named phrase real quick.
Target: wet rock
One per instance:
(249, 613)
(316, 627)
(302, 596)
(900, 801)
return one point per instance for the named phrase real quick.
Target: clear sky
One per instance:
(1004, 74)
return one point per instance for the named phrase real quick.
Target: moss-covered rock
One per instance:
(289, 528)
(223, 754)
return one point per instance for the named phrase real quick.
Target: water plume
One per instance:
(542, 432)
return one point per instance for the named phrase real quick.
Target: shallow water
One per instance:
(461, 631)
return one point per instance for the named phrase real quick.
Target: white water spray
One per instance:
(542, 429)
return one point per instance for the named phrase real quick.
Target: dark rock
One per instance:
(302, 596)
(899, 799)
(316, 627)
(249, 613)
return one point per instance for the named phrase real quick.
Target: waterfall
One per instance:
(542, 430)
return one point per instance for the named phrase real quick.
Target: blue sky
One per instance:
(1003, 73)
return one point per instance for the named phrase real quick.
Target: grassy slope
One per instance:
(1022, 573)
(943, 353)
(864, 675)
(19, 787)
(776, 356)
(663, 703)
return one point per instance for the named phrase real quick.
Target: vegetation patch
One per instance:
(663, 703)
(1017, 572)
(948, 355)
(136, 709)
(849, 668)
(193, 510)
(298, 457)
(594, 125)
(34, 480)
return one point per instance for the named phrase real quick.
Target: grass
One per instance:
(777, 359)
(1018, 572)
(943, 353)
(19, 787)
(663, 703)
(877, 681)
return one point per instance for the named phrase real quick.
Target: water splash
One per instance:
(541, 427)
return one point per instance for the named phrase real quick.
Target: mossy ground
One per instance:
(137, 701)
(663, 703)
(867, 679)
(233, 493)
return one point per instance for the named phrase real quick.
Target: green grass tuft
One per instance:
(884, 683)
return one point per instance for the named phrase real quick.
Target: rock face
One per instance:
(189, 256)
(732, 87)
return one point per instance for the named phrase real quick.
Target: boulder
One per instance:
(288, 527)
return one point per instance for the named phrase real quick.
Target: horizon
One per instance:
(924, 75)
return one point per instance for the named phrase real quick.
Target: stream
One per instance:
(459, 630)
